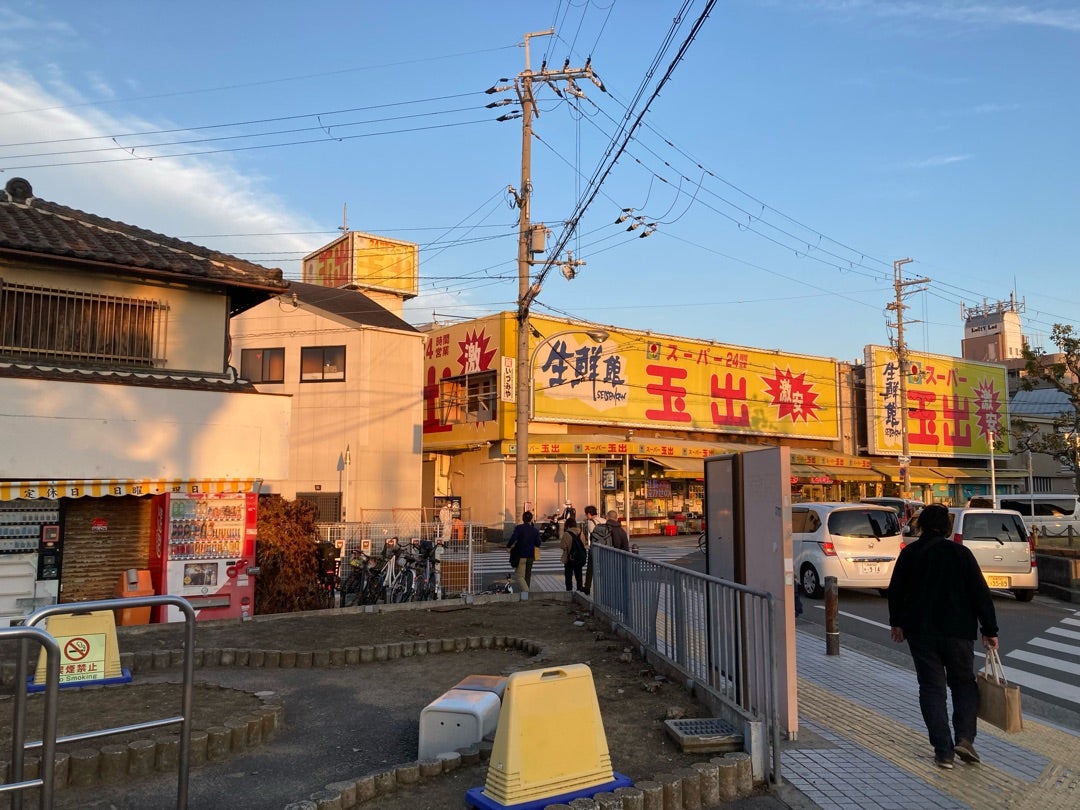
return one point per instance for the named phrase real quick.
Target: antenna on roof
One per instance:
(344, 218)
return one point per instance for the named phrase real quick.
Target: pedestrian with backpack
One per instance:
(573, 554)
(588, 528)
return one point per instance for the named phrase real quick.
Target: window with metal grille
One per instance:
(468, 399)
(327, 505)
(81, 328)
(263, 365)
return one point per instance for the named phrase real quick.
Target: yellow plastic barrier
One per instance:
(89, 653)
(550, 745)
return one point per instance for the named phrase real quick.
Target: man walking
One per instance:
(608, 533)
(938, 600)
(522, 545)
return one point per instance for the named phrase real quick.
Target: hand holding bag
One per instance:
(999, 700)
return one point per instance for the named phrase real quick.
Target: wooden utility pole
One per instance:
(529, 244)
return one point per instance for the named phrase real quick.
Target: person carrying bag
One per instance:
(999, 700)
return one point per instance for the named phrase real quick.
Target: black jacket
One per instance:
(937, 589)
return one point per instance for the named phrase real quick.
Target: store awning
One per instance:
(102, 488)
(963, 473)
(849, 473)
(916, 475)
(809, 475)
(680, 467)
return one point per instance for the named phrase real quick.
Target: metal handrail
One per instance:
(719, 633)
(18, 716)
(49, 740)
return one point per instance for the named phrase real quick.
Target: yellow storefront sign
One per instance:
(952, 406)
(640, 379)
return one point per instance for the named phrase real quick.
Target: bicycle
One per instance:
(702, 543)
(356, 585)
(426, 572)
(396, 578)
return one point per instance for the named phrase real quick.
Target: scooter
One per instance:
(549, 529)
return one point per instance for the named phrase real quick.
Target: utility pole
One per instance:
(528, 244)
(898, 306)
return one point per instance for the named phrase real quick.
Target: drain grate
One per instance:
(705, 734)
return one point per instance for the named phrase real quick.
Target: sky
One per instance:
(776, 157)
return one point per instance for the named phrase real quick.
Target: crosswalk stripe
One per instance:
(1057, 631)
(1046, 644)
(1045, 661)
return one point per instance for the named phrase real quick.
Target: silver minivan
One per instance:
(1000, 542)
(1050, 515)
(857, 543)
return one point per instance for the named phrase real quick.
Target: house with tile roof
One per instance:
(116, 381)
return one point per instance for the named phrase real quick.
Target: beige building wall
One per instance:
(359, 436)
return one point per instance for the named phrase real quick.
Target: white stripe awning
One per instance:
(118, 487)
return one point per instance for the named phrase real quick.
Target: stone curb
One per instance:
(113, 763)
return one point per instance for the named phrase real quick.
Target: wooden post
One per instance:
(832, 627)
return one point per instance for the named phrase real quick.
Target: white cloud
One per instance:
(937, 160)
(985, 13)
(204, 195)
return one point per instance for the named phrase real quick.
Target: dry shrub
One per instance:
(289, 577)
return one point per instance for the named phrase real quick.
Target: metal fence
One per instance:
(718, 633)
(462, 544)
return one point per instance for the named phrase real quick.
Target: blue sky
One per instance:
(798, 148)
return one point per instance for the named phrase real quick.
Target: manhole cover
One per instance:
(705, 734)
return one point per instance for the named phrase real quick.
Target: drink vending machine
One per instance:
(203, 549)
(31, 548)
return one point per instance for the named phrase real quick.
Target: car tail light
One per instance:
(958, 538)
(1031, 549)
(902, 544)
(829, 549)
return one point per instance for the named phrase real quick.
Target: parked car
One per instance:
(1049, 515)
(1001, 543)
(905, 507)
(857, 543)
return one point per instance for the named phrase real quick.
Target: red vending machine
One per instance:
(201, 549)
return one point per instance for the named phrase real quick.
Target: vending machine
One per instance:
(203, 549)
(31, 547)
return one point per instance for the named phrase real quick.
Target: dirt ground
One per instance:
(634, 700)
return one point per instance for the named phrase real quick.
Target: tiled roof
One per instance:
(349, 305)
(144, 379)
(30, 225)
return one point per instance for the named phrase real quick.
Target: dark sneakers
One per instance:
(966, 751)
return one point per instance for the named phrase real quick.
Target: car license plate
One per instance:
(869, 569)
(997, 582)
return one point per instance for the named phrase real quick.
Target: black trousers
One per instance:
(940, 662)
(572, 573)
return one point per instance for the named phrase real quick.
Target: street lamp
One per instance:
(525, 410)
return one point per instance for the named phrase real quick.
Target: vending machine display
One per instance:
(203, 548)
(30, 557)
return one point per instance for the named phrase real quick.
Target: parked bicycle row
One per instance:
(404, 572)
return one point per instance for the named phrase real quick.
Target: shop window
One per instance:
(263, 365)
(322, 363)
(468, 399)
(81, 328)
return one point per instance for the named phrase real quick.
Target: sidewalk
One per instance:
(862, 743)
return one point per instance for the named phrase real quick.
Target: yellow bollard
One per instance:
(550, 745)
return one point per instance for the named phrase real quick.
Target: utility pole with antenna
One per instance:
(531, 241)
(898, 306)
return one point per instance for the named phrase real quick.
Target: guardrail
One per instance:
(49, 740)
(718, 633)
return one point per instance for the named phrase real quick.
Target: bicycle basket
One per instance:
(427, 548)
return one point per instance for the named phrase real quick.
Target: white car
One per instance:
(1001, 543)
(857, 543)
